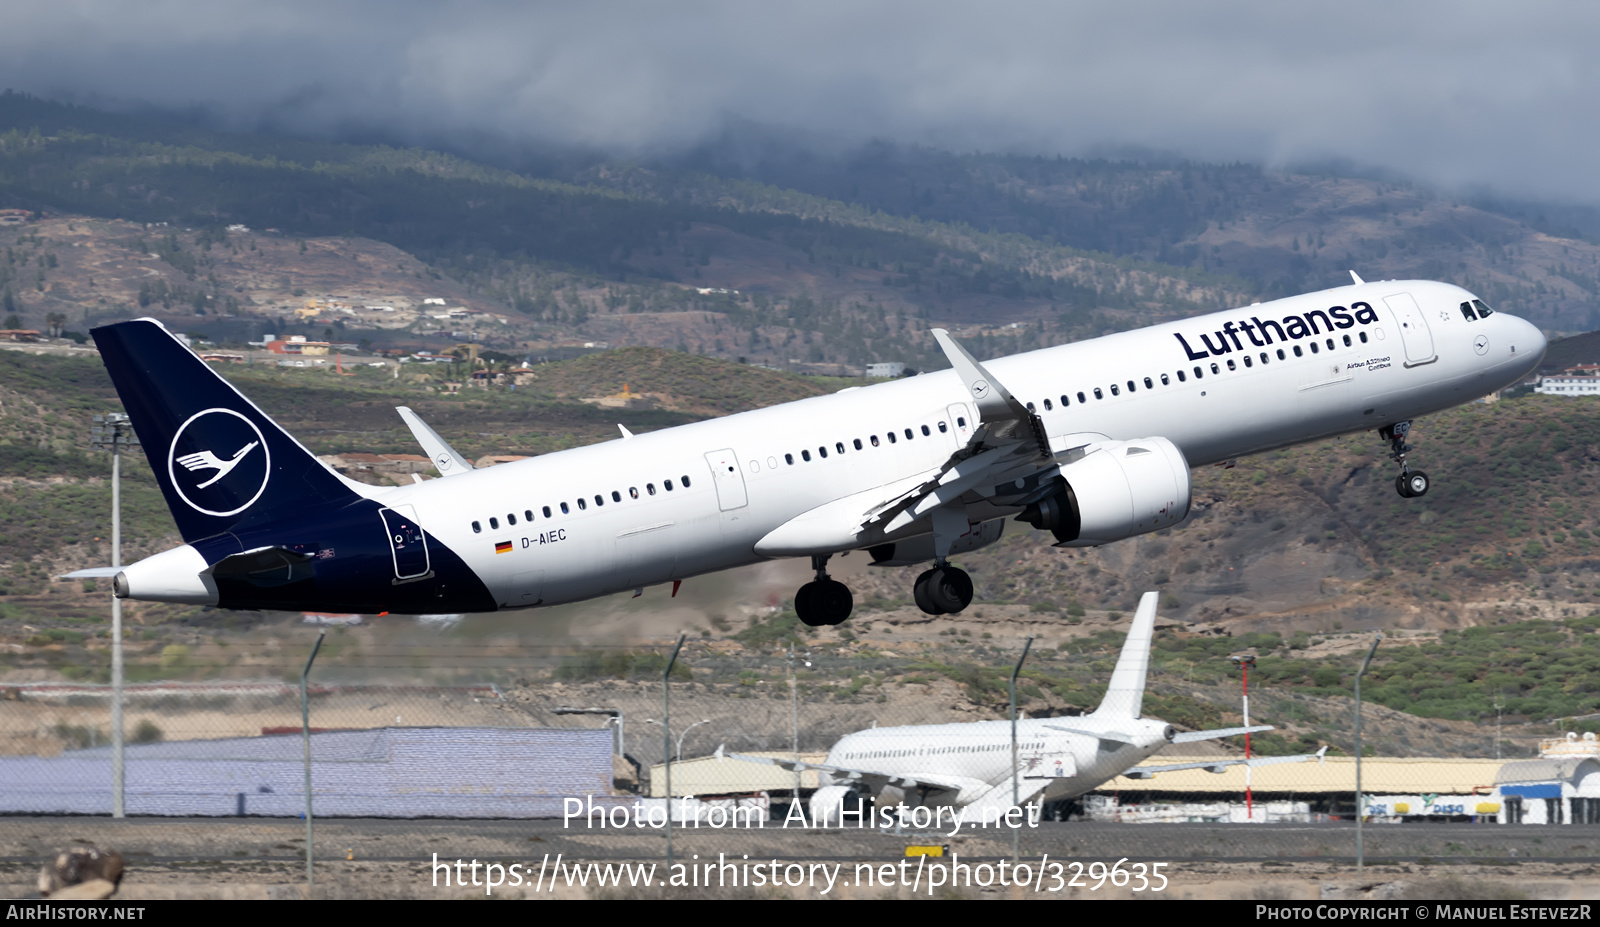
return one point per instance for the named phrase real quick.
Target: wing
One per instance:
(1008, 448)
(1145, 772)
(444, 457)
(1192, 736)
(874, 780)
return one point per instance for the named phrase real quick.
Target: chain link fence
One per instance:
(850, 746)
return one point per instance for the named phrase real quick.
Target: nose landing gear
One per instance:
(1410, 484)
(823, 601)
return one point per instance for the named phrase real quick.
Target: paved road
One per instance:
(261, 838)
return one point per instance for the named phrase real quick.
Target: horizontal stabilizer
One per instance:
(1187, 737)
(92, 573)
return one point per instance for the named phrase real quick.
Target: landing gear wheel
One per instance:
(1413, 485)
(950, 589)
(823, 602)
(919, 592)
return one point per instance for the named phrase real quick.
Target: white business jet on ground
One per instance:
(1091, 442)
(968, 768)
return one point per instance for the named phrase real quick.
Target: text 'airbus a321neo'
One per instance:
(1091, 442)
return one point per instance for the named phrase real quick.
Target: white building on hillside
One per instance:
(1583, 380)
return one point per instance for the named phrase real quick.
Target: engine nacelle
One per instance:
(1118, 490)
(829, 804)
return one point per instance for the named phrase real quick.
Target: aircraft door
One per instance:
(408, 544)
(961, 423)
(1413, 328)
(725, 474)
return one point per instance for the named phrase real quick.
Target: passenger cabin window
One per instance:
(1298, 352)
(874, 440)
(685, 480)
(1065, 403)
(908, 434)
(961, 420)
(1263, 357)
(1361, 335)
(650, 488)
(857, 443)
(494, 524)
(925, 432)
(1330, 344)
(1280, 354)
(1231, 365)
(788, 459)
(943, 429)
(616, 496)
(1098, 394)
(1215, 369)
(667, 485)
(511, 519)
(823, 451)
(1048, 406)
(1247, 361)
(806, 456)
(633, 492)
(599, 500)
(1114, 390)
(1347, 341)
(890, 436)
(838, 446)
(477, 528)
(1031, 408)
(1313, 347)
(1198, 373)
(1182, 378)
(582, 505)
(546, 511)
(565, 510)
(1148, 384)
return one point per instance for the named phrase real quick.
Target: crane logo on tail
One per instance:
(219, 462)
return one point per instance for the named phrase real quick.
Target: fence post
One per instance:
(1014, 754)
(666, 738)
(1360, 850)
(305, 736)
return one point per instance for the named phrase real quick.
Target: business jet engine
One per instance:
(1116, 490)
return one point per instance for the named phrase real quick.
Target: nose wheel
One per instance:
(1410, 484)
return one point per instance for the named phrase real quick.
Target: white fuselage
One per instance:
(979, 753)
(736, 479)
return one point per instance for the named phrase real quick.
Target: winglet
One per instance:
(624, 429)
(1125, 693)
(720, 757)
(444, 457)
(1357, 278)
(994, 401)
(1322, 754)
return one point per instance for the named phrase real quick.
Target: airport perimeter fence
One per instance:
(514, 752)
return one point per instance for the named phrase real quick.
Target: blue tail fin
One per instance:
(221, 462)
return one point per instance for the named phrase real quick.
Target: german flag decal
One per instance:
(504, 547)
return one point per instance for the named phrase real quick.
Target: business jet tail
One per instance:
(222, 464)
(1124, 697)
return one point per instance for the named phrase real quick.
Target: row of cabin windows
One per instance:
(583, 505)
(957, 748)
(838, 446)
(1199, 372)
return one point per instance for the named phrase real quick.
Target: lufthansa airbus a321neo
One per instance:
(1091, 442)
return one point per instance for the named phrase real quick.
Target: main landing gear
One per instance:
(1410, 484)
(823, 601)
(943, 590)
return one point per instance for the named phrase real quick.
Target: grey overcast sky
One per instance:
(1451, 93)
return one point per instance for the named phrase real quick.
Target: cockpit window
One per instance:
(1466, 310)
(1483, 311)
